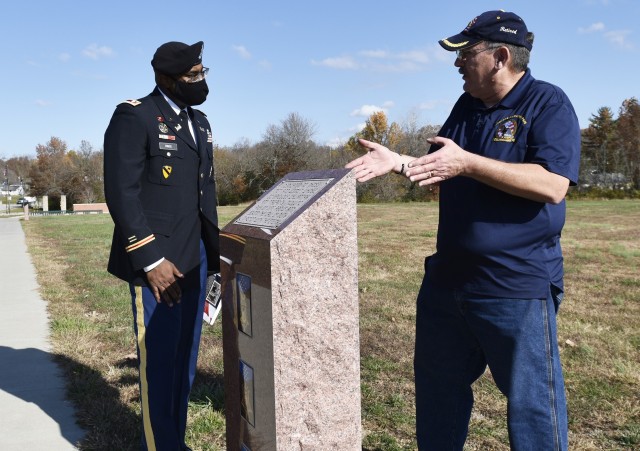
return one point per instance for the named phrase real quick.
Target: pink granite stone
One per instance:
(292, 372)
(314, 285)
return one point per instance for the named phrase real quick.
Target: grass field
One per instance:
(599, 330)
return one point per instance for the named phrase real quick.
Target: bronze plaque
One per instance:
(281, 203)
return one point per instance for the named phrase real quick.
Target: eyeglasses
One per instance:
(194, 77)
(462, 55)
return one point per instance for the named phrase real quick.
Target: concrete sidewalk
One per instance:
(34, 414)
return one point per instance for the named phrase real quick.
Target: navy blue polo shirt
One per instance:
(494, 244)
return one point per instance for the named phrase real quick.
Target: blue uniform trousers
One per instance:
(168, 340)
(457, 336)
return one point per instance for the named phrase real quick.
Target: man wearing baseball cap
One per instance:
(503, 160)
(161, 193)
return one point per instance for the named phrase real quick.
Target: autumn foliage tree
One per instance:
(629, 139)
(285, 148)
(611, 148)
(376, 129)
(244, 171)
(75, 174)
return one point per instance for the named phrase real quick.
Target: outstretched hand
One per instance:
(377, 161)
(448, 161)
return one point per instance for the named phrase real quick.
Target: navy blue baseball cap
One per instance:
(176, 58)
(494, 26)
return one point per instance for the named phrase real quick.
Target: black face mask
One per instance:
(191, 93)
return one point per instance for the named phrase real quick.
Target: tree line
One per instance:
(611, 148)
(610, 160)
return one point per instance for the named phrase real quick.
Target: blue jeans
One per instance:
(457, 336)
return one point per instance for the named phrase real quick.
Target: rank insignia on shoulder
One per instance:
(166, 171)
(132, 102)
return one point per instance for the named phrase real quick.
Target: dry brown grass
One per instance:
(599, 330)
(599, 326)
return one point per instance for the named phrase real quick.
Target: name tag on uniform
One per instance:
(168, 146)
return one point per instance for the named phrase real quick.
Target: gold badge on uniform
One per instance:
(163, 127)
(166, 171)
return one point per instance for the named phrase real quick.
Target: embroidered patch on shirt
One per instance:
(507, 128)
(166, 171)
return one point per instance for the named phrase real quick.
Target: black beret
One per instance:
(176, 58)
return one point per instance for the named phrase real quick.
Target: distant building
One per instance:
(14, 190)
(615, 180)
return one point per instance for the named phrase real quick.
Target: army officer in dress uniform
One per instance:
(160, 189)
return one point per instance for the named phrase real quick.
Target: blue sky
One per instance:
(67, 64)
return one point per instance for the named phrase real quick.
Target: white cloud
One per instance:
(417, 56)
(96, 52)
(374, 53)
(341, 62)
(619, 38)
(64, 57)
(598, 26)
(42, 103)
(368, 110)
(334, 143)
(242, 51)
(380, 60)
(358, 128)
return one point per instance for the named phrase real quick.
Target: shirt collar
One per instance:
(176, 109)
(513, 97)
